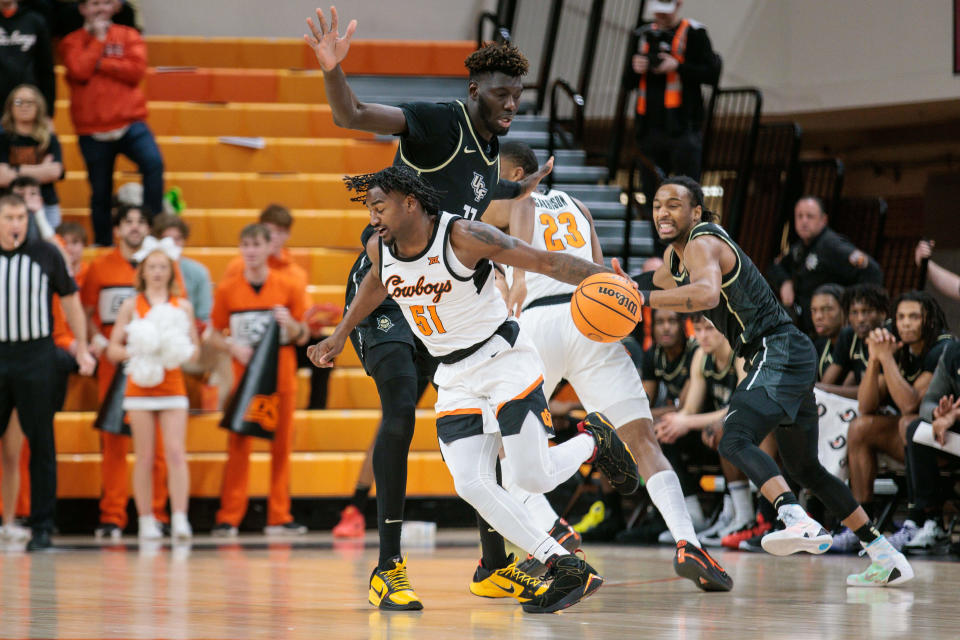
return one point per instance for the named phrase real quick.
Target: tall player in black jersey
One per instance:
(454, 147)
(705, 270)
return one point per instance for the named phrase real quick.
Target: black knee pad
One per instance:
(733, 441)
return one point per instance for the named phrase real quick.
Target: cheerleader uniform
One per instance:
(171, 393)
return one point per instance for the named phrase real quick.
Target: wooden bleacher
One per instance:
(272, 89)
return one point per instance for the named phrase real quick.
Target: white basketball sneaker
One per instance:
(888, 569)
(800, 533)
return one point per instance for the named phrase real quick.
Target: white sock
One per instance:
(541, 511)
(548, 548)
(742, 504)
(178, 518)
(664, 489)
(695, 511)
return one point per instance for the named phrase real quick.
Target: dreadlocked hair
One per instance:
(505, 58)
(402, 180)
(872, 295)
(934, 321)
(696, 196)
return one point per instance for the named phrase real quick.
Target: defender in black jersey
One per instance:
(704, 269)
(666, 365)
(454, 147)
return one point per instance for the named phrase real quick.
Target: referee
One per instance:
(30, 273)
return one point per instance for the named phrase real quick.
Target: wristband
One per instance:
(646, 296)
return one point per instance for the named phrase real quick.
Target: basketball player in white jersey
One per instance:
(602, 374)
(436, 266)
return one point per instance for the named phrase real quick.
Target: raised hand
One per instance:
(326, 43)
(528, 184)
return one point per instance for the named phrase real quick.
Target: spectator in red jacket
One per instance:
(105, 64)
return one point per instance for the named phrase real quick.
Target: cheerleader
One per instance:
(154, 335)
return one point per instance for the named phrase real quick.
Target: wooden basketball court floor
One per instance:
(316, 588)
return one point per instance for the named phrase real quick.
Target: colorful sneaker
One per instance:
(592, 518)
(506, 582)
(800, 533)
(223, 530)
(757, 527)
(888, 569)
(846, 541)
(572, 581)
(611, 455)
(563, 533)
(904, 535)
(390, 588)
(695, 564)
(932, 539)
(352, 523)
(286, 529)
(716, 540)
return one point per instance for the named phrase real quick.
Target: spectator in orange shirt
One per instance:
(110, 281)
(243, 307)
(105, 65)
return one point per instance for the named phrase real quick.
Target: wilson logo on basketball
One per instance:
(264, 410)
(397, 289)
(622, 300)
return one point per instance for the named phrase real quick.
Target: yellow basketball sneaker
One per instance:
(506, 582)
(390, 588)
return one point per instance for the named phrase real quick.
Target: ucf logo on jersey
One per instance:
(479, 186)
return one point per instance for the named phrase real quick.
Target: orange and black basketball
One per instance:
(605, 307)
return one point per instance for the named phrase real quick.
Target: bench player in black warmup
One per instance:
(454, 147)
(705, 270)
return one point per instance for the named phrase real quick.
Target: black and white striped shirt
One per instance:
(29, 276)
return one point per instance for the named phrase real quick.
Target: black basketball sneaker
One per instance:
(695, 564)
(611, 456)
(572, 581)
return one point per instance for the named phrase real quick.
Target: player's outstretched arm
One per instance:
(370, 294)
(701, 257)
(348, 111)
(472, 241)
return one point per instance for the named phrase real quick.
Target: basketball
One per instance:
(605, 307)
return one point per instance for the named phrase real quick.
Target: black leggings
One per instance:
(751, 416)
(401, 376)
(923, 475)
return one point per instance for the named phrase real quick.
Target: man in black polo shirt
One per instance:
(30, 273)
(819, 256)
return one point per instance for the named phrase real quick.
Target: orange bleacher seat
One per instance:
(232, 190)
(352, 388)
(391, 57)
(304, 155)
(311, 474)
(226, 85)
(219, 119)
(339, 229)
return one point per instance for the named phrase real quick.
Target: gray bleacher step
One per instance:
(563, 157)
(604, 210)
(610, 233)
(396, 89)
(594, 192)
(579, 174)
(530, 123)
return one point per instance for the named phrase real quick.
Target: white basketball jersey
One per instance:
(559, 225)
(448, 306)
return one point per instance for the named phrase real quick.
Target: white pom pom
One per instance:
(143, 339)
(173, 326)
(145, 371)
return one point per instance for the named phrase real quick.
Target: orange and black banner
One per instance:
(254, 408)
(111, 418)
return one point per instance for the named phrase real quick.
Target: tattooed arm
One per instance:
(703, 258)
(472, 241)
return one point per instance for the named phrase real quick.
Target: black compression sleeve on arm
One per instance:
(506, 190)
